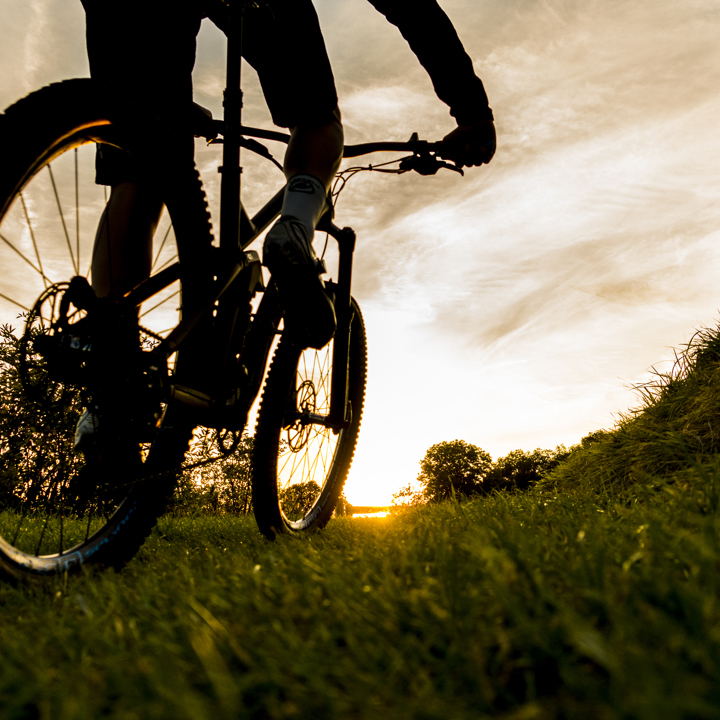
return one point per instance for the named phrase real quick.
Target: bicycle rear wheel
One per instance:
(60, 509)
(299, 464)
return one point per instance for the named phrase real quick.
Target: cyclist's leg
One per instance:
(122, 256)
(311, 161)
(315, 150)
(299, 87)
(298, 83)
(142, 54)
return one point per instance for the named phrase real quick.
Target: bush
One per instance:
(37, 429)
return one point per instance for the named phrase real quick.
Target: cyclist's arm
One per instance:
(433, 39)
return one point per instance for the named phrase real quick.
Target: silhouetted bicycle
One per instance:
(60, 510)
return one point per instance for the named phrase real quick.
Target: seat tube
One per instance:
(341, 346)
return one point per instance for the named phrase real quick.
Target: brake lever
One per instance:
(454, 168)
(426, 164)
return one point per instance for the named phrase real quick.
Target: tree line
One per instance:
(456, 468)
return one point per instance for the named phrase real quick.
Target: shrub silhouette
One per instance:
(37, 427)
(521, 469)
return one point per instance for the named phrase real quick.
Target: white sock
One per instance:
(305, 200)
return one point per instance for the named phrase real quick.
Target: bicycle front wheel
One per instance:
(60, 509)
(299, 464)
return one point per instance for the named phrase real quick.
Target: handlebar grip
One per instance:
(414, 146)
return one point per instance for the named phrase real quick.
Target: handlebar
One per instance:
(413, 145)
(426, 157)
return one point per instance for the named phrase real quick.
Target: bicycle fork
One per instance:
(340, 411)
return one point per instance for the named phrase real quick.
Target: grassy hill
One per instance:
(670, 442)
(594, 595)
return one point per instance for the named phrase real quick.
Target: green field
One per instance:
(593, 595)
(511, 606)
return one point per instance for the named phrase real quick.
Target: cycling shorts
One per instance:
(142, 52)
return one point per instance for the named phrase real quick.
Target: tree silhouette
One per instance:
(520, 469)
(453, 468)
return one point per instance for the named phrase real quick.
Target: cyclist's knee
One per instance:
(316, 149)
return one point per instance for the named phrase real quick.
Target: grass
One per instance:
(594, 595)
(517, 606)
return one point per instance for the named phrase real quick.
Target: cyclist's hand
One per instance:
(470, 144)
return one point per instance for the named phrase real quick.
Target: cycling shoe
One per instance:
(309, 312)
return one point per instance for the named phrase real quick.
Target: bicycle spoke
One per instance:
(77, 210)
(62, 220)
(60, 543)
(14, 302)
(292, 459)
(282, 468)
(160, 304)
(162, 245)
(39, 268)
(321, 455)
(166, 263)
(19, 525)
(42, 535)
(311, 466)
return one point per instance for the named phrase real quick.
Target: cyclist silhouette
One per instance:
(142, 53)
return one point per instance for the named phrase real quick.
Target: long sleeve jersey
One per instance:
(433, 39)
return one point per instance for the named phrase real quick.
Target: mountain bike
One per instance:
(63, 349)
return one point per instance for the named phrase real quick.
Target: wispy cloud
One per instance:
(42, 42)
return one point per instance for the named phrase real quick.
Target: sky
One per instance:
(514, 307)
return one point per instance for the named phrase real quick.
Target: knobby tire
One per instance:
(299, 469)
(44, 126)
